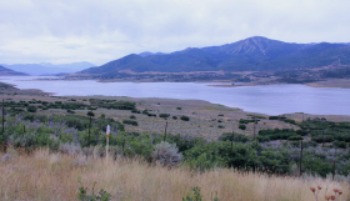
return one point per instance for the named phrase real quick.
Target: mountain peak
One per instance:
(255, 44)
(258, 38)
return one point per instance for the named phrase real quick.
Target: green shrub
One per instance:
(316, 164)
(278, 134)
(130, 122)
(70, 111)
(295, 138)
(31, 108)
(246, 121)
(323, 138)
(84, 195)
(194, 195)
(139, 146)
(184, 118)
(233, 137)
(164, 115)
(340, 144)
(242, 126)
(204, 156)
(136, 111)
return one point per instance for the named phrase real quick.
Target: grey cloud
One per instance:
(99, 31)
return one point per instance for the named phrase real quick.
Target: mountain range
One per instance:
(48, 68)
(251, 54)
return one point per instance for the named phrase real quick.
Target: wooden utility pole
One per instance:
(165, 130)
(333, 171)
(123, 145)
(301, 158)
(254, 130)
(334, 164)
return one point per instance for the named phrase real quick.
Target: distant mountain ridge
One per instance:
(49, 69)
(5, 72)
(251, 54)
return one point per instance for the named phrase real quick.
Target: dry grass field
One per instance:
(45, 176)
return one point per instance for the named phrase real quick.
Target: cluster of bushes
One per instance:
(320, 131)
(148, 113)
(164, 115)
(323, 131)
(34, 105)
(30, 130)
(113, 104)
(279, 134)
(69, 106)
(246, 121)
(283, 118)
(130, 122)
(243, 122)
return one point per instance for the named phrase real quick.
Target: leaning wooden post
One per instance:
(3, 126)
(301, 158)
(108, 133)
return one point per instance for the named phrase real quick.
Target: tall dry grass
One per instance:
(56, 177)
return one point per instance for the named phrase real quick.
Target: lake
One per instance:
(269, 99)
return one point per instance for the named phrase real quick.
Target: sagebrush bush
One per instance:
(166, 154)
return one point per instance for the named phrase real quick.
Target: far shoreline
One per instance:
(327, 83)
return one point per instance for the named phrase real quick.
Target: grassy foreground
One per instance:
(57, 177)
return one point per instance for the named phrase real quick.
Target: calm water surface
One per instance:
(271, 99)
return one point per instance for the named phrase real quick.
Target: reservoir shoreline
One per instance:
(273, 99)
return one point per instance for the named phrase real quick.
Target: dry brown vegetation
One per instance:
(206, 119)
(56, 177)
(338, 83)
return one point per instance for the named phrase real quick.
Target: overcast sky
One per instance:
(62, 31)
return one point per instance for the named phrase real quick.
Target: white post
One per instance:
(108, 133)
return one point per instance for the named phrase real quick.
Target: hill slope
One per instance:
(255, 53)
(49, 69)
(5, 71)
